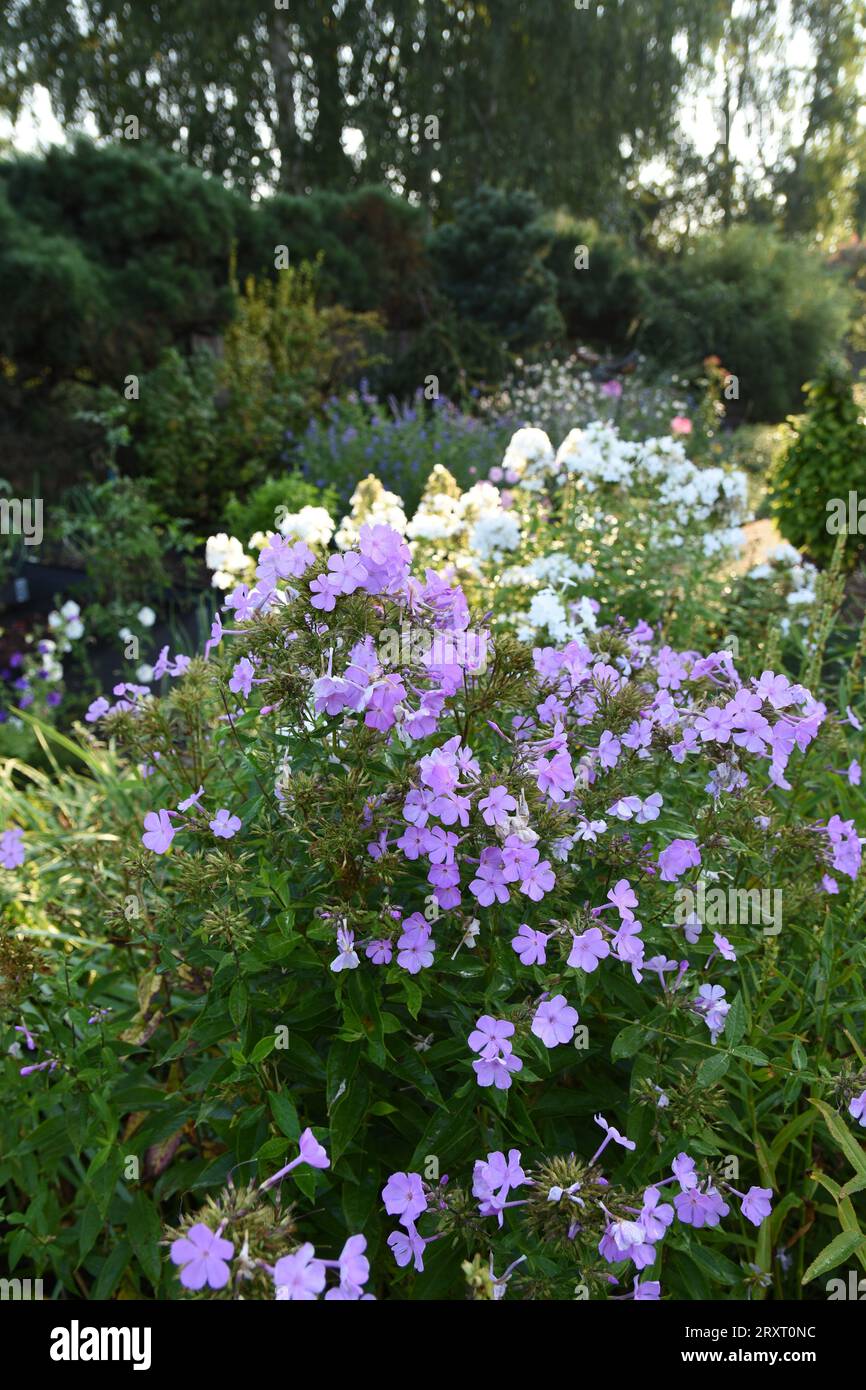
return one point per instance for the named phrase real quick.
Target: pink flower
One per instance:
(403, 1195)
(224, 825)
(587, 950)
(12, 848)
(241, 682)
(312, 1151)
(681, 424)
(158, 832)
(202, 1255)
(554, 1021)
(530, 945)
(299, 1277)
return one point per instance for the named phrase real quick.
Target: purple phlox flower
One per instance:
(587, 950)
(415, 947)
(696, 1208)
(530, 945)
(347, 956)
(299, 1277)
(610, 1134)
(662, 966)
(555, 776)
(50, 1064)
(490, 1036)
(648, 1292)
(590, 830)
(202, 1255)
(756, 1203)
(857, 1109)
(711, 1003)
(408, 1245)
(497, 806)
(623, 897)
(354, 1267)
(489, 884)
(776, 689)
(655, 1216)
(216, 636)
(29, 1040)
(609, 749)
(537, 880)
(404, 1196)
(627, 944)
(492, 1181)
(96, 709)
(311, 1152)
(158, 831)
(192, 801)
(683, 1169)
(554, 1021)
(496, 1071)
(724, 947)
(679, 856)
(12, 848)
(379, 952)
(625, 807)
(224, 825)
(241, 682)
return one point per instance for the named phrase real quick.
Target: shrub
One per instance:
(825, 461)
(401, 443)
(115, 252)
(259, 510)
(454, 357)
(204, 427)
(490, 263)
(602, 302)
(767, 308)
(384, 911)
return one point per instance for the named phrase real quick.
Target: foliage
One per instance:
(359, 434)
(490, 263)
(205, 426)
(219, 995)
(226, 88)
(130, 573)
(824, 463)
(766, 307)
(288, 493)
(600, 282)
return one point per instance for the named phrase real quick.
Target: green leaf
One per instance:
(285, 1114)
(751, 1054)
(713, 1069)
(839, 1249)
(112, 1271)
(737, 1020)
(716, 1265)
(347, 1116)
(144, 1229)
(239, 998)
(627, 1042)
(846, 1141)
(263, 1048)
